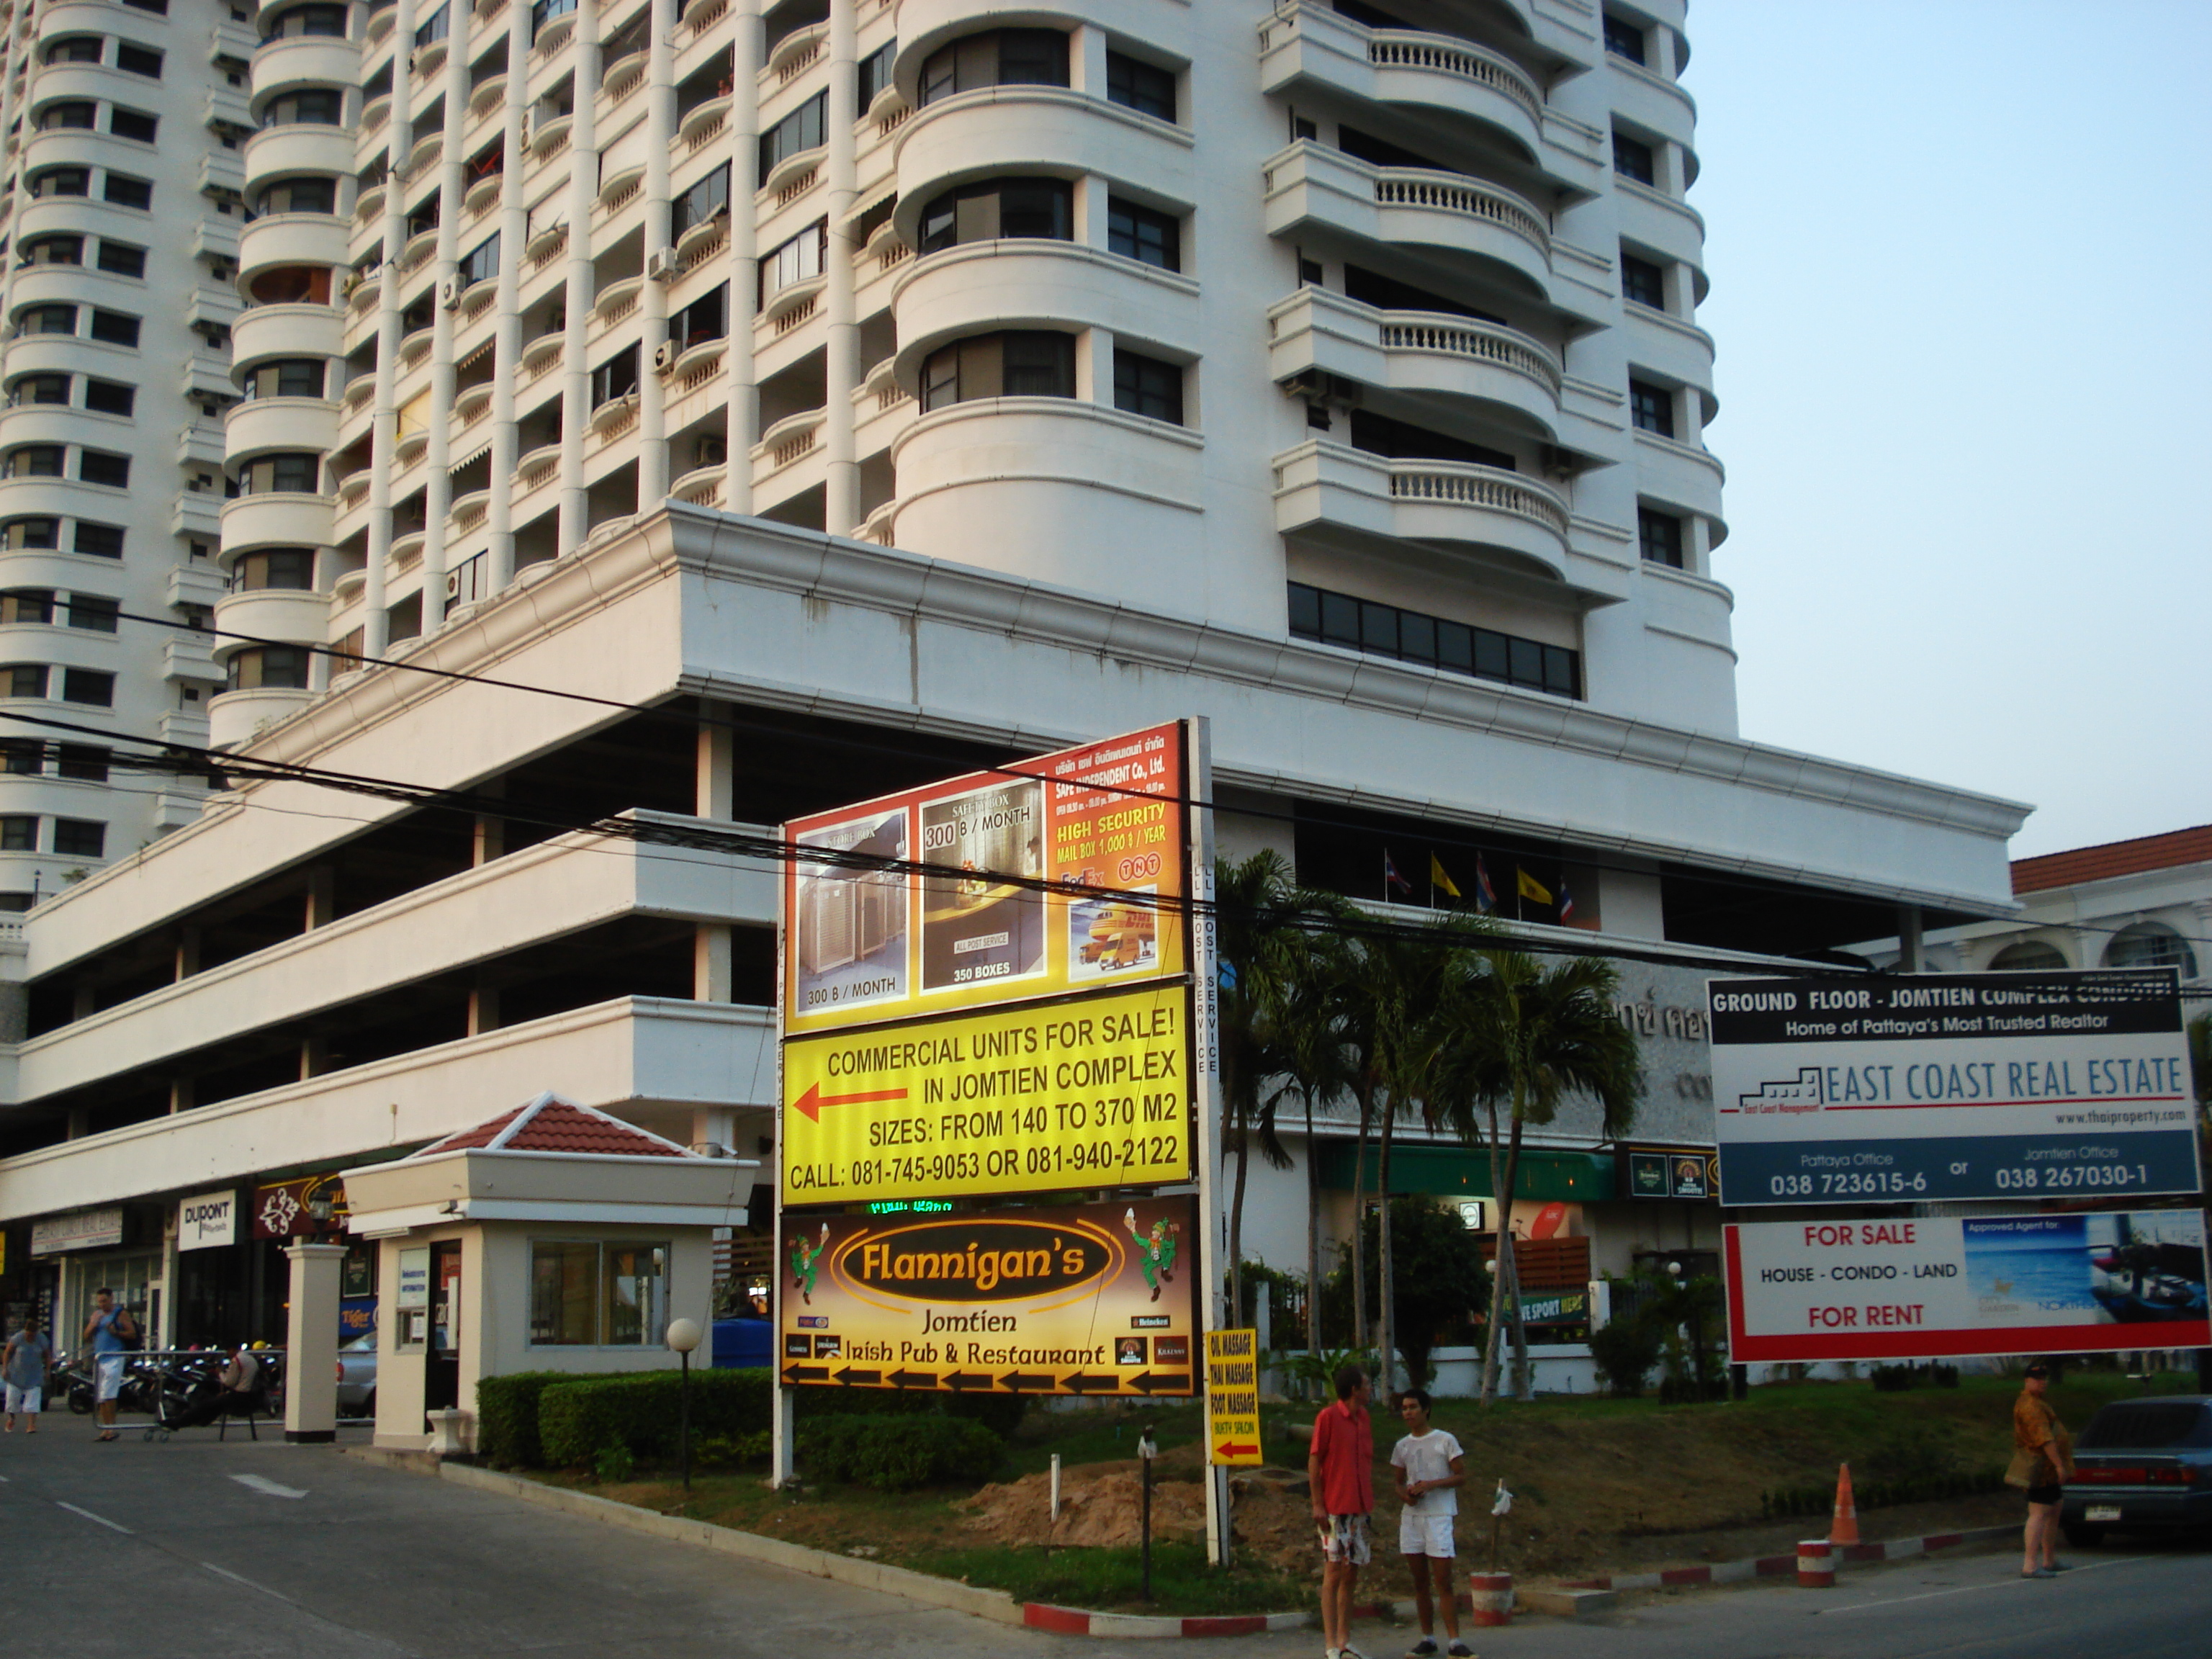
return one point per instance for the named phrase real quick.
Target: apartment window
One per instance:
(42, 389)
(705, 200)
(77, 49)
(81, 763)
(158, 7)
(35, 461)
(116, 327)
(441, 26)
(798, 132)
(75, 113)
(18, 533)
(287, 567)
(109, 397)
(123, 190)
(1651, 408)
(1039, 208)
(481, 263)
(291, 473)
(545, 11)
(1386, 631)
(121, 259)
(1145, 88)
(1147, 386)
(54, 251)
(268, 667)
(1002, 58)
(26, 605)
(617, 377)
(1136, 233)
(62, 181)
(18, 832)
(2151, 944)
(1024, 363)
(50, 319)
(99, 467)
(100, 541)
(88, 685)
(133, 124)
(93, 613)
(22, 757)
(300, 195)
(1623, 39)
(707, 317)
(1642, 282)
(25, 679)
(138, 60)
(587, 1294)
(876, 73)
(311, 19)
(316, 106)
(1632, 159)
(1660, 537)
(82, 838)
(801, 258)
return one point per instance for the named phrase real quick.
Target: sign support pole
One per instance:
(1206, 1088)
(782, 1438)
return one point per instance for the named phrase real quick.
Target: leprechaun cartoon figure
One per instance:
(805, 1263)
(1156, 1251)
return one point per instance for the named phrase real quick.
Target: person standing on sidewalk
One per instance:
(1341, 1475)
(2042, 1459)
(1429, 1469)
(112, 1332)
(23, 1367)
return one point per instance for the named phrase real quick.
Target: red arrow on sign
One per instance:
(811, 1103)
(1230, 1449)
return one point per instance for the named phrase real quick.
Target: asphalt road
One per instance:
(195, 1548)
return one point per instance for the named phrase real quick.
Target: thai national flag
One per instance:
(1486, 896)
(1391, 877)
(1567, 903)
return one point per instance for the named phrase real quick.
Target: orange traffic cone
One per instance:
(1845, 1528)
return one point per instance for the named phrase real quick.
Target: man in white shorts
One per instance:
(1429, 1469)
(23, 1365)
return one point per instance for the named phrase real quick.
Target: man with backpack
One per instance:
(112, 1333)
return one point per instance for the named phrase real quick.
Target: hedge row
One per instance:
(579, 1418)
(898, 1454)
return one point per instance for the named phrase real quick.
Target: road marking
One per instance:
(239, 1578)
(266, 1488)
(1968, 1590)
(89, 1516)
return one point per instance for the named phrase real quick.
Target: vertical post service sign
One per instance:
(1951, 1086)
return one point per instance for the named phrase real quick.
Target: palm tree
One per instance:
(1528, 1036)
(1255, 902)
(1316, 1065)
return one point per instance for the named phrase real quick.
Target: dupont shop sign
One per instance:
(206, 1221)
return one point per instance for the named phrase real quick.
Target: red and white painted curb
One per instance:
(1785, 1567)
(1074, 1621)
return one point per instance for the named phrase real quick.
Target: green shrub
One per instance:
(614, 1463)
(579, 1416)
(898, 1453)
(717, 1451)
(507, 1418)
(1624, 1353)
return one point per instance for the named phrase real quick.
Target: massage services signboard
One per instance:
(1934, 1288)
(1084, 1299)
(1951, 1086)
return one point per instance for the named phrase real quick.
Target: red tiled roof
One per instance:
(549, 1124)
(2115, 858)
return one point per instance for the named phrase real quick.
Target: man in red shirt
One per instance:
(1341, 1475)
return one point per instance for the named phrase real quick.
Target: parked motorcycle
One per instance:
(69, 1378)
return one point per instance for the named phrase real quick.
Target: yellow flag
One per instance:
(1528, 887)
(1438, 878)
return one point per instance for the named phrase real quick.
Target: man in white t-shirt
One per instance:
(1429, 1467)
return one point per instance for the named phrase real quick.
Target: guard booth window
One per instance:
(587, 1294)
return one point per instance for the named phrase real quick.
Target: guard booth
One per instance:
(553, 1237)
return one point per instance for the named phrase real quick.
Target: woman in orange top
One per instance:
(2043, 1453)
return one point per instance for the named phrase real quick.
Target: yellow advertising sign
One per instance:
(1088, 1093)
(1073, 1299)
(1232, 1396)
(873, 934)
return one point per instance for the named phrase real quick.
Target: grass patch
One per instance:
(1111, 1580)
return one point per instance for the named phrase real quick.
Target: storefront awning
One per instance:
(1464, 1172)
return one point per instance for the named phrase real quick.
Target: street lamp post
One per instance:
(684, 1336)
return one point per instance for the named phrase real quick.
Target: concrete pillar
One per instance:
(188, 950)
(714, 792)
(710, 963)
(714, 1130)
(1908, 939)
(311, 1343)
(322, 898)
(483, 1008)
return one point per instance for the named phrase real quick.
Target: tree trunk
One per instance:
(1358, 1218)
(1524, 1385)
(1236, 1232)
(1497, 1256)
(1386, 1285)
(1313, 1236)
(1506, 1277)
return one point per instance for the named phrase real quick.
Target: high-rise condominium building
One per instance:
(813, 399)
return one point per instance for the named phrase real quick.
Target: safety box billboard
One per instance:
(1951, 1086)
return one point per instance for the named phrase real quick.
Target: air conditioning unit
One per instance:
(1319, 386)
(714, 452)
(449, 292)
(452, 584)
(662, 267)
(665, 354)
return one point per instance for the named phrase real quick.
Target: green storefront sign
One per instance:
(1556, 1308)
(1458, 1172)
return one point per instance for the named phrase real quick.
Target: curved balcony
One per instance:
(979, 286)
(622, 77)
(59, 82)
(259, 426)
(700, 487)
(426, 155)
(616, 303)
(1660, 221)
(1033, 129)
(297, 61)
(76, 216)
(548, 138)
(271, 613)
(302, 147)
(704, 123)
(1308, 185)
(620, 189)
(38, 285)
(1651, 101)
(262, 332)
(487, 99)
(276, 519)
(1434, 78)
(469, 512)
(556, 34)
(234, 717)
(1672, 349)
(925, 25)
(539, 468)
(1419, 353)
(1331, 493)
(406, 552)
(471, 406)
(1682, 475)
(483, 195)
(46, 354)
(427, 60)
(543, 354)
(276, 240)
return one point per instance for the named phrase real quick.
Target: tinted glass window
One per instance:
(2147, 1426)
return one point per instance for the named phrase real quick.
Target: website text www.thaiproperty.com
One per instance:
(2135, 1119)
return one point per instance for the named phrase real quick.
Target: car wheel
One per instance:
(2081, 1534)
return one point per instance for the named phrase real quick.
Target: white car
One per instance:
(357, 1376)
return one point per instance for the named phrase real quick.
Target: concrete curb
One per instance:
(1784, 1566)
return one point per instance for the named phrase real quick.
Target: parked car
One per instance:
(2141, 1465)
(357, 1376)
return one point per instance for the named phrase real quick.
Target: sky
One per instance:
(1960, 254)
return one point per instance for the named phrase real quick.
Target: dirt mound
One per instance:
(1102, 1508)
